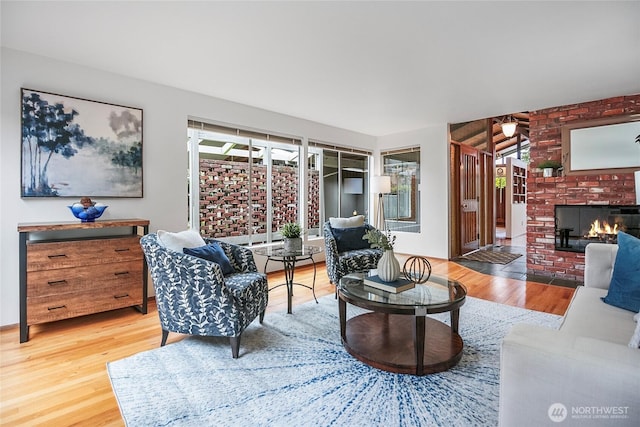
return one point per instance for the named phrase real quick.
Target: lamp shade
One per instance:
(381, 184)
(509, 129)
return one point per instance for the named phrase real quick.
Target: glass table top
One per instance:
(437, 292)
(276, 252)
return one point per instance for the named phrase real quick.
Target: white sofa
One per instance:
(585, 372)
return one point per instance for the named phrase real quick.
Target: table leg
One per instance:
(455, 317)
(418, 340)
(342, 311)
(313, 286)
(289, 268)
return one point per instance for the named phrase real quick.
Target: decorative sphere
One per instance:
(417, 269)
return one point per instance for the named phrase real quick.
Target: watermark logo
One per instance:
(557, 412)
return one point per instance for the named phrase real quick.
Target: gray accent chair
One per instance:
(194, 297)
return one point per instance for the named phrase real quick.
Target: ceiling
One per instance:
(477, 133)
(373, 67)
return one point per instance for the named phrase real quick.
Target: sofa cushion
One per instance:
(350, 239)
(178, 241)
(588, 316)
(624, 290)
(214, 253)
(354, 221)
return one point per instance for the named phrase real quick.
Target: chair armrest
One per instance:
(331, 254)
(331, 246)
(241, 258)
(541, 366)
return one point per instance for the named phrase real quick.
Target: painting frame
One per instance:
(75, 147)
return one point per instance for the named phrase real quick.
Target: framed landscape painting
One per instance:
(73, 147)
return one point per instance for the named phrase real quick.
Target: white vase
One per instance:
(388, 266)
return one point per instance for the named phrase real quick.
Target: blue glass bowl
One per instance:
(89, 214)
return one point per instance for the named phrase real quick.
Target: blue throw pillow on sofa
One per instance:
(214, 253)
(351, 239)
(624, 290)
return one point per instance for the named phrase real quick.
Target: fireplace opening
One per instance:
(579, 225)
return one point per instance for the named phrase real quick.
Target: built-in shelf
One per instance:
(519, 184)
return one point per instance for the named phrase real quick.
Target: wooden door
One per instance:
(469, 200)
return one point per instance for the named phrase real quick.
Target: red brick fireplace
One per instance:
(544, 193)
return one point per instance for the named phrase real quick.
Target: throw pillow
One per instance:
(214, 253)
(635, 339)
(183, 239)
(624, 289)
(350, 239)
(354, 221)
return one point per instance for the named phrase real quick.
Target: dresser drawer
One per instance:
(69, 280)
(65, 305)
(53, 255)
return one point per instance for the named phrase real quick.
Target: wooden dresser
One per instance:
(86, 271)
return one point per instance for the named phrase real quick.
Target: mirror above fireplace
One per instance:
(601, 145)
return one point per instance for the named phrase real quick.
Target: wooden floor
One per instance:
(58, 378)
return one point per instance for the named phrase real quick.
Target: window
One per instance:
(402, 205)
(243, 186)
(247, 184)
(313, 183)
(345, 182)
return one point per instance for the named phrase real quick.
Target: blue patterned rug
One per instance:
(293, 371)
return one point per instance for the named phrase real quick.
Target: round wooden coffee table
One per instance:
(392, 336)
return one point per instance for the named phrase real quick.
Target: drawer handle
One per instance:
(57, 256)
(121, 296)
(123, 250)
(58, 307)
(57, 282)
(121, 273)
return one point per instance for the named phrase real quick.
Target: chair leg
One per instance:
(235, 346)
(262, 315)
(165, 335)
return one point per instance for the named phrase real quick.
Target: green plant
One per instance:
(553, 164)
(501, 182)
(378, 239)
(291, 230)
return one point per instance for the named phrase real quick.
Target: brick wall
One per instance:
(224, 198)
(544, 193)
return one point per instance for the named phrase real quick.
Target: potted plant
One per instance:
(292, 234)
(548, 166)
(388, 265)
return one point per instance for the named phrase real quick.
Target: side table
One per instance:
(289, 260)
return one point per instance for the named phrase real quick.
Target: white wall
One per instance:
(433, 239)
(164, 148)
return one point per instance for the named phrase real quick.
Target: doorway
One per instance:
(472, 187)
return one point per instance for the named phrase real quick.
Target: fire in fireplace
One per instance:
(579, 225)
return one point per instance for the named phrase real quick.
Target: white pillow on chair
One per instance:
(354, 221)
(178, 241)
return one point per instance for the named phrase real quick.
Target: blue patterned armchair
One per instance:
(359, 256)
(194, 297)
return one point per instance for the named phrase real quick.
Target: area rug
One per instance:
(293, 371)
(491, 256)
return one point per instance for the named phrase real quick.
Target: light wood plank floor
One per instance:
(59, 378)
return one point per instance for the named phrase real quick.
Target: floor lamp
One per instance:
(380, 185)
